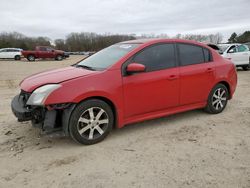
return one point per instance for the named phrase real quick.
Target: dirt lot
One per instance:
(191, 149)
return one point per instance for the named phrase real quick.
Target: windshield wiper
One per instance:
(86, 67)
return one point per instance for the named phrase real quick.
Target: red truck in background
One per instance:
(44, 52)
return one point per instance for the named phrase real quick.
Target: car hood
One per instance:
(59, 51)
(53, 77)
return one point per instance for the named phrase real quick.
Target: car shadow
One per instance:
(58, 139)
(159, 122)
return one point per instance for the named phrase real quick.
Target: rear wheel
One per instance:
(31, 58)
(91, 121)
(217, 99)
(17, 57)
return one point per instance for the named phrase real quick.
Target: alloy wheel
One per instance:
(93, 123)
(219, 98)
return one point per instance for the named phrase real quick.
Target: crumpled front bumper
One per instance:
(40, 116)
(19, 109)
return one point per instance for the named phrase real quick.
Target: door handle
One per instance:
(173, 77)
(209, 70)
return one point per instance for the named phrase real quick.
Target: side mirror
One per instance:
(135, 67)
(220, 52)
(52, 50)
(231, 51)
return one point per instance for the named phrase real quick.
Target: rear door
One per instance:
(242, 54)
(196, 73)
(9, 53)
(2, 53)
(12, 53)
(155, 89)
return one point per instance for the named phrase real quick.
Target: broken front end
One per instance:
(30, 107)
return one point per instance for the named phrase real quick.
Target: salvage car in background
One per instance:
(44, 52)
(238, 53)
(10, 53)
(125, 83)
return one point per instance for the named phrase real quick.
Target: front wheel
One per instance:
(217, 99)
(91, 121)
(59, 57)
(246, 67)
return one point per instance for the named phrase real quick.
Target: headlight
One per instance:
(40, 94)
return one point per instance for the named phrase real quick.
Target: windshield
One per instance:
(107, 57)
(223, 47)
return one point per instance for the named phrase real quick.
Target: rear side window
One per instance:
(157, 57)
(191, 54)
(12, 50)
(207, 55)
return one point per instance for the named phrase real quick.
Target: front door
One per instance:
(158, 87)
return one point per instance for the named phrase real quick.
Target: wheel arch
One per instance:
(30, 54)
(109, 102)
(227, 86)
(67, 115)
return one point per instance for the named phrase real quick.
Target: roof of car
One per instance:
(229, 44)
(11, 48)
(158, 40)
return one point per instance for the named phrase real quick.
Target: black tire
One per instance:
(85, 129)
(31, 58)
(59, 57)
(213, 107)
(246, 67)
(17, 57)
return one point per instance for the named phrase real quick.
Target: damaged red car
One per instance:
(125, 83)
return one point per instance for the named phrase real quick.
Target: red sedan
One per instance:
(125, 83)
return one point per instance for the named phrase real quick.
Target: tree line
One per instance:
(73, 42)
(241, 38)
(86, 41)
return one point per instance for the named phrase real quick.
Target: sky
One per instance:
(57, 18)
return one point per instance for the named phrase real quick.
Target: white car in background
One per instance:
(238, 53)
(10, 53)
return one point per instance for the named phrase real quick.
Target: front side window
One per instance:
(43, 49)
(190, 54)
(242, 48)
(232, 49)
(49, 49)
(157, 57)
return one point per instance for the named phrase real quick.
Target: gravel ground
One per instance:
(191, 149)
